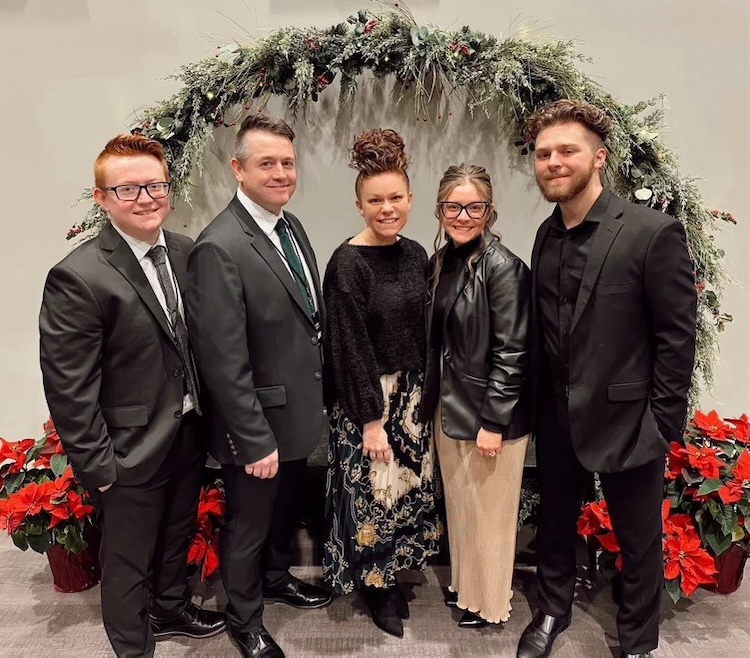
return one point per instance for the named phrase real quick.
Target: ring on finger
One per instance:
(492, 453)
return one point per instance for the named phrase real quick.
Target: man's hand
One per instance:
(489, 444)
(375, 442)
(265, 468)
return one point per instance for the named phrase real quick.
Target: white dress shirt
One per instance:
(140, 250)
(266, 220)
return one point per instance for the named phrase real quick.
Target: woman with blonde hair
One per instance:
(476, 389)
(381, 482)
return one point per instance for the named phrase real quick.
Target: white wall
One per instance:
(72, 72)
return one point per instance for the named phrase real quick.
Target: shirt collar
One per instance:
(593, 216)
(139, 247)
(265, 219)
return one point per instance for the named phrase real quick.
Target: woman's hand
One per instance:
(375, 442)
(489, 444)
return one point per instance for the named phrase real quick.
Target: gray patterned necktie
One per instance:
(158, 256)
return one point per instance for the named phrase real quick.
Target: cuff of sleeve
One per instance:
(492, 427)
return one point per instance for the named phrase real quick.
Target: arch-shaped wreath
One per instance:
(505, 79)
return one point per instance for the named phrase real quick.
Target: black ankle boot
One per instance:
(381, 603)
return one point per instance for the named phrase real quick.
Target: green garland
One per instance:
(505, 79)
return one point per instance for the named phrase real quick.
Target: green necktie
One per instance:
(292, 259)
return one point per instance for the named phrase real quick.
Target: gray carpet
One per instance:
(37, 621)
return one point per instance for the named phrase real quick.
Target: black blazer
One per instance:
(255, 345)
(632, 339)
(484, 352)
(111, 369)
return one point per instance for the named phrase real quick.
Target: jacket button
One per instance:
(178, 414)
(314, 340)
(317, 375)
(176, 372)
(228, 436)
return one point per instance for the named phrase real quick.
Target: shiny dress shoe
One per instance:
(256, 643)
(382, 605)
(635, 655)
(536, 641)
(451, 599)
(299, 594)
(472, 620)
(400, 602)
(191, 622)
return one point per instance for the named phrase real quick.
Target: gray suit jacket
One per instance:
(111, 370)
(256, 347)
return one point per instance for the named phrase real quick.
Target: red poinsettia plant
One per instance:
(41, 501)
(203, 554)
(706, 507)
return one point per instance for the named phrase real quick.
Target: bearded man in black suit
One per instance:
(122, 391)
(613, 348)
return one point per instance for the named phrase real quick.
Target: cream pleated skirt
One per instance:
(481, 500)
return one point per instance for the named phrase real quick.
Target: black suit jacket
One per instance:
(111, 369)
(632, 341)
(257, 349)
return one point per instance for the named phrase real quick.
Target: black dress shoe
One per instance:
(635, 655)
(191, 622)
(299, 594)
(400, 601)
(257, 643)
(451, 599)
(382, 605)
(472, 620)
(536, 641)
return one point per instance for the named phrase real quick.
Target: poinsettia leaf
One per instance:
(738, 532)
(14, 482)
(709, 486)
(714, 508)
(58, 463)
(19, 539)
(674, 590)
(727, 520)
(718, 543)
(744, 508)
(691, 478)
(39, 543)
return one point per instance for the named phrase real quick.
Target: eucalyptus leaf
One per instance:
(644, 194)
(423, 32)
(635, 173)
(164, 124)
(414, 32)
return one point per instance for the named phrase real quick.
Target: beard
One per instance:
(567, 188)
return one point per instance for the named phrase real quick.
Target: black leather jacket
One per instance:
(484, 352)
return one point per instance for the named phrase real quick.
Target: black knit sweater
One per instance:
(375, 299)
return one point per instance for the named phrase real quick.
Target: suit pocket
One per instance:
(616, 287)
(133, 416)
(271, 396)
(478, 381)
(628, 392)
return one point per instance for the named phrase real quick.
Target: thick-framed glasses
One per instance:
(475, 210)
(132, 192)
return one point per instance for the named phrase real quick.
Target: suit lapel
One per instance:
(309, 255)
(265, 248)
(609, 227)
(178, 260)
(121, 257)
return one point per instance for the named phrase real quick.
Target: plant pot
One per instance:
(75, 572)
(731, 568)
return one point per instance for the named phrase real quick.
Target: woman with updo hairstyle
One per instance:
(476, 390)
(381, 483)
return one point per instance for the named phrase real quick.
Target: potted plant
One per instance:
(203, 554)
(705, 511)
(45, 508)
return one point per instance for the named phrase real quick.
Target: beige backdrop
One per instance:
(72, 72)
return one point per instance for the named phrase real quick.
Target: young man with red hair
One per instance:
(123, 393)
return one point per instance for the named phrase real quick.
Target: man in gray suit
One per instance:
(255, 314)
(122, 391)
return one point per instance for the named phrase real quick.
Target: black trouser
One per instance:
(634, 499)
(145, 537)
(261, 517)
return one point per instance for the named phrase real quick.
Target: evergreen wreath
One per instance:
(505, 79)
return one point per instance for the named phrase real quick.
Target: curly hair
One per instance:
(378, 151)
(124, 146)
(566, 111)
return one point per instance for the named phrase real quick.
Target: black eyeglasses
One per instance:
(132, 192)
(475, 210)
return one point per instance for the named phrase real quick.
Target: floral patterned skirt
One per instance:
(381, 517)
